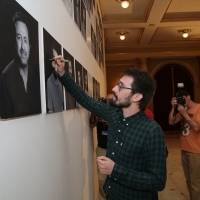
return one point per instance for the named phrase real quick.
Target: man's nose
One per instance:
(115, 89)
(22, 45)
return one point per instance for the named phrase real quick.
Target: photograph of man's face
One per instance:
(22, 42)
(19, 69)
(90, 85)
(85, 80)
(77, 12)
(94, 89)
(79, 77)
(91, 5)
(78, 71)
(83, 19)
(69, 6)
(98, 90)
(53, 86)
(79, 81)
(69, 66)
(88, 6)
(92, 41)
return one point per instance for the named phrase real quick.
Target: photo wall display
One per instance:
(19, 56)
(20, 94)
(94, 35)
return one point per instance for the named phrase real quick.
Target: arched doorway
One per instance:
(167, 78)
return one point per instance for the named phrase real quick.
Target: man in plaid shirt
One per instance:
(135, 162)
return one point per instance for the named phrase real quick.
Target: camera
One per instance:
(179, 95)
(180, 100)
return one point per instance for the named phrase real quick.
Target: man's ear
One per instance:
(137, 97)
(188, 97)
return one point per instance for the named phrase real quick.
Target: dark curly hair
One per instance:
(19, 16)
(142, 83)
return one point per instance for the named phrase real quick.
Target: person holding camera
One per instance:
(187, 112)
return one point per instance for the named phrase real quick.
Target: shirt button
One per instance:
(113, 153)
(124, 120)
(121, 144)
(115, 179)
(117, 142)
(109, 186)
(119, 130)
(126, 124)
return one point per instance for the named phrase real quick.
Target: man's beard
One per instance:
(125, 104)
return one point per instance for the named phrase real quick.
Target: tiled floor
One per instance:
(176, 188)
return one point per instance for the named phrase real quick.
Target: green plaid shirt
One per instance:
(136, 144)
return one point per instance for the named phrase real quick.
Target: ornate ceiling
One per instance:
(153, 29)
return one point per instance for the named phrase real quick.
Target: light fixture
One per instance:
(122, 34)
(124, 4)
(184, 32)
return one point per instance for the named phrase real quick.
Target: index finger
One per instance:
(58, 57)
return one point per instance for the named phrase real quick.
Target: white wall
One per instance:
(51, 156)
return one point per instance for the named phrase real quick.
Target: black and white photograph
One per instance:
(78, 72)
(92, 5)
(97, 31)
(69, 6)
(97, 54)
(94, 89)
(54, 88)
(101, 61)
(87, 4)
(70, 101)
(85, 80)
(83, 19)
(79, 77)
(77, 9)
(98, 14)
(92, 41)
(90, 85)
(19, 56)
(98, 90)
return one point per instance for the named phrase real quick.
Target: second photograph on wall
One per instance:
(54, 89)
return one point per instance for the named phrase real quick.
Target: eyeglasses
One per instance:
(120, 86)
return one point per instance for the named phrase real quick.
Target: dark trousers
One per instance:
(154, 195)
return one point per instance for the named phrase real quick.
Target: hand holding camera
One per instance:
(178, 101)
(179, 104)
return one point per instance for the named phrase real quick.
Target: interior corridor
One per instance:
(176, 188)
